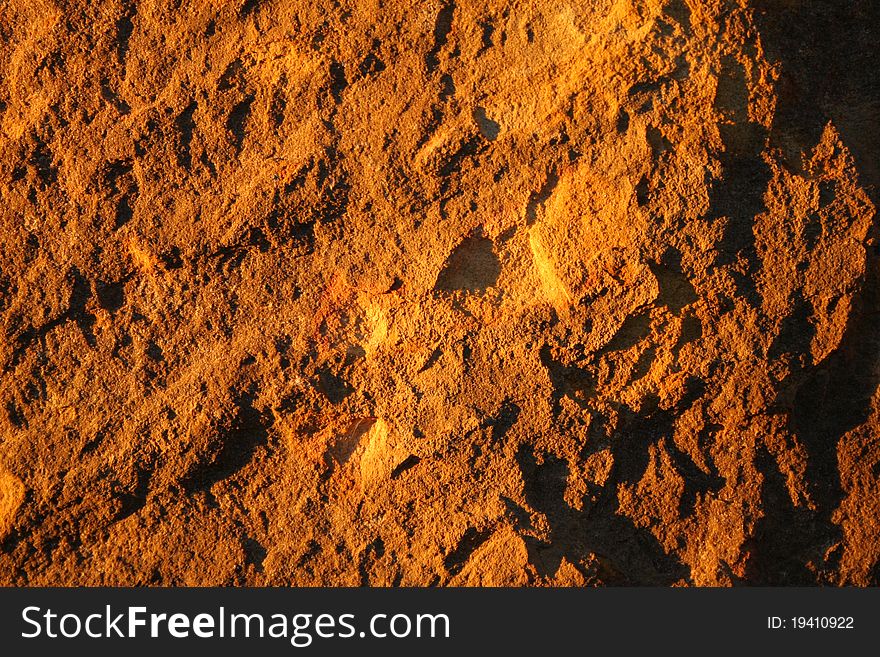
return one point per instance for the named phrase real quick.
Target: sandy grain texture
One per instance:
(439, 293)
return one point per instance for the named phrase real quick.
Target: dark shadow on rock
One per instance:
(233, 448)
(828, 60)
(472, 266)
(627, 554)
(829, 71)
(739, 196)
(785, 538)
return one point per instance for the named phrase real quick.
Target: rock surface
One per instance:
(439, 293)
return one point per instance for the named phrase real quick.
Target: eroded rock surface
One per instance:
(439, 293)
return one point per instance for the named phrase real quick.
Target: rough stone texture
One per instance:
(439, 293)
